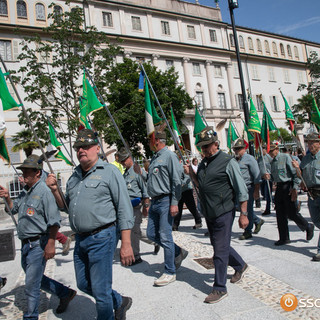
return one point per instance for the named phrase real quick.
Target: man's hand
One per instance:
(4, 193)
(266, 176)
(126, 254)
(52, 182)
(243, 221)
(295, 164)
(294, 194)
(145, 211)
(186, 169)
(49, 250)
(174, 210)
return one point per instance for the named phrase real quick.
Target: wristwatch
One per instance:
(244, 213)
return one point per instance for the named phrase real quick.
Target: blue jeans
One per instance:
(224, 255)
(93, 257)
(159, 230)
(253, 219)
(267, 195)
(33, 263)
(314, 209)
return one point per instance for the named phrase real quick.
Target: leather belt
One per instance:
(284, 183)
(31, 239)
(95, 231)
(160, 197)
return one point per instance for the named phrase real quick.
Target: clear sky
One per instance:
(294, 18)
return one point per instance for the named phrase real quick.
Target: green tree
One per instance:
(126, 103)
(52, 67)
(285, 135)
(23, 142)
(302, 110)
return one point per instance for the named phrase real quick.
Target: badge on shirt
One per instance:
(281, 172)
(129, 185)
(318, 173)
(30, 212)
(156, 170)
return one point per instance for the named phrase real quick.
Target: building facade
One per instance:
(190, 37)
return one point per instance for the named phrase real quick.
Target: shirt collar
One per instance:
(98, 164)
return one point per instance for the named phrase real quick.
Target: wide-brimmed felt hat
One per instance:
(207, 136)
(239, 144)
(32, 162)
(85, 137)
(123, 154)
(313, 136)
(274, 145)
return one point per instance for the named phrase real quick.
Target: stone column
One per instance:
(155, 58)
(187, 75)
(230, 84)
(212, 95)
(299, 128)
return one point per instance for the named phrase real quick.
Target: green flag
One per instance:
(54, 141)
(8, 102)
(175, 129)
(289, 115)
(83, 114)
(199, 125)
(254, 122)
(315, 114)
(267, 126)
(90, 100)
(232, 135)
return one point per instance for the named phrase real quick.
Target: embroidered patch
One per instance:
(30, 212)
(36, 197)
(156, 170)
(129, 185)
(318, 173)
(282, 172)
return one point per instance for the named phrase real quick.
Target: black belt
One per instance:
(160, 197)
(95, 231)
(31, 239)
(284, 183)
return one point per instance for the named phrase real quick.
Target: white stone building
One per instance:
(192, 38)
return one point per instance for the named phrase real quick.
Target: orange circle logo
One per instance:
(288, 302)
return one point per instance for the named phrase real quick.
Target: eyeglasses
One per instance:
(83, 148)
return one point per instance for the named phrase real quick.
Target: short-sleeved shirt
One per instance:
(136, 185)
(249, 169)
(37, 210)
(283, 171)
(97, 198)
(164, 175)
(310, 166)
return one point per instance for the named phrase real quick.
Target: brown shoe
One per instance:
(64, 302)
(215, 296)
(239, 274)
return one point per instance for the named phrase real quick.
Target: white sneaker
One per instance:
(66, 247)
(165, 279)
(178, 260)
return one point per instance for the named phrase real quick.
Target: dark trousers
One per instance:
(188, 199)
(286, 209)
(224, 254)
(266, 194)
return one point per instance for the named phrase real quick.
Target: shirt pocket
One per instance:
(282, 170)
(92, 188)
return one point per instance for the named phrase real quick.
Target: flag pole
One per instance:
(31, 126)
(174, 117)
(57, 135)
(109, 113)
(10, 212)
(163, 115)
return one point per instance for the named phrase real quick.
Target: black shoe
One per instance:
(258, 203)
(246, 235)
(197, 226)
(266, 213)
(156, 249)
(175, 228)
(120, 313)
(64, 302)
(282, 242)
(136, 261)
(310, 231)
(316, 257)
(3, 282)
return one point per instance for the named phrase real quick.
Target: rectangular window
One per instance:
(231, 38)
(40, 12)
(274, 103)
(136, 23)
(213, 35)
(6, 50)
(300, 77)
(165, 28)
(222, 101)
(107, 19)
(254, 72)
(191, 32)
(239, 101)
(271, 74)
(196, 69)
(199, 100)
(169, 64)
(218, 71)
(15, 156)
(259, 104)
(235, 69)
(286, 75)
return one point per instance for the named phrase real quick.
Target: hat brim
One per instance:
(205, 143)
(122, 157)
(28, 166)
(238, 147)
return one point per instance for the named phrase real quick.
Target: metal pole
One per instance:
(31, 127)
(10, 212)
(243, 89)
(163, 115)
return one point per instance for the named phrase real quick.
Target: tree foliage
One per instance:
(52, 68)
(126, 103)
